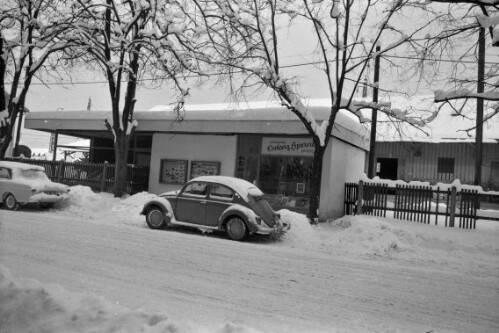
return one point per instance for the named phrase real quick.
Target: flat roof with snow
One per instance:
(244, 118)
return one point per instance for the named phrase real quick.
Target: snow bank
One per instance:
(355, 236)
(84, 202)
(26, 305)
(103, 207)
(29, 306)
(366, 236)
(301, 234)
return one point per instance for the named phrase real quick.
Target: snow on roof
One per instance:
(81, 145)
(260, 110)
(249, 111)
(241, 186)
(268, 117)
(21, 166)
(446, 127)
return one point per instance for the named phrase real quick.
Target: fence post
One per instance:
(360, 195)
(452, 212)
(59, 171)
(104, 176)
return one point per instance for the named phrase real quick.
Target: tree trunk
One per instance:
(6, 138)
(315, 188)
(6, 132)
(120, 172)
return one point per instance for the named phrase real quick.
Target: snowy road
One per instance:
(208, 281)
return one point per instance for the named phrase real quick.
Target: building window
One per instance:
(445, 168)
(248, 157)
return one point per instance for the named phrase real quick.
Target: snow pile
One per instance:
(127, 211)
(103, 207)
(366, 236)
(301, 234)
(26, 305)
(84, 202)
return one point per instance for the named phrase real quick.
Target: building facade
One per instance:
(436, 162)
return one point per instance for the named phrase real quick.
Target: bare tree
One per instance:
(128, 41)
(459, 41)
(30, 34)
(243, 40)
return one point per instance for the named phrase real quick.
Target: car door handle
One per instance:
(203, 202)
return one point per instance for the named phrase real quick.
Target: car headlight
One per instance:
(258, 220)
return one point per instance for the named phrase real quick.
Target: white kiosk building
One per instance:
(261, 142)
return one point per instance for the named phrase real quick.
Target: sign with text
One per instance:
(288, 146)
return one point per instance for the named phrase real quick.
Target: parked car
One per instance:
(220, 203)
(22, 184)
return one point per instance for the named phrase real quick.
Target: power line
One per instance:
(310, 63)
(439, 60)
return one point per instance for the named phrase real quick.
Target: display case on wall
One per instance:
(173, 172)
(204, 168)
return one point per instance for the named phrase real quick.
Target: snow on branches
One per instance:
(393, 113)
(132, 40)
(346, 34)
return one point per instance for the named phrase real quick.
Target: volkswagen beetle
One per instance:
(22, 183)
(220, 203)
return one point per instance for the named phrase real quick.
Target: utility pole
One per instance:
(371, 171)
(479, 108)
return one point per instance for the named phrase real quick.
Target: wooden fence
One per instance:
(422, 204)
(98, 176)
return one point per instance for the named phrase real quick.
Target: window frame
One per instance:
(446, 166)
(194, 195)
(9, 172)
(222, 198)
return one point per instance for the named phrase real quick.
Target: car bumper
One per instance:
(274, 232)
(48, 198)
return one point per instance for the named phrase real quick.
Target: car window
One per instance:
(195, 189)
(5, 173)
(221, 192)
(32, 174)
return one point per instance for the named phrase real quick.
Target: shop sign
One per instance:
(288, 146)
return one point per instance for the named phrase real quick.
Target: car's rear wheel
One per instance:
(236, 229)
(10, 202)
(155, 218)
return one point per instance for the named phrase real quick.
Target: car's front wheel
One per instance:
(155, 218)
(236, 229)
(10, 202)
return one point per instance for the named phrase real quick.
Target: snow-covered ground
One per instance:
(27, 305)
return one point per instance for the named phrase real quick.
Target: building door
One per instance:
(386, 168)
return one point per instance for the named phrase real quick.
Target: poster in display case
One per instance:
(204, 168)
(300, 188)
(173, 172)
